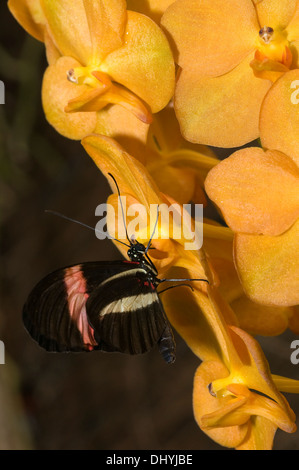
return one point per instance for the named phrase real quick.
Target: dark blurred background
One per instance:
(76, 401)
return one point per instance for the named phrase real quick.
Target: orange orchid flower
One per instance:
(178, 167)
(250, 316)
(279, 119)
(229, 53)
(100, 56)
(152, 8)
(257, 193)
(234, 415)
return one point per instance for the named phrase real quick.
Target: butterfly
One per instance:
(109, 306)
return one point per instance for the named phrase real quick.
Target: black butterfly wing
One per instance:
(55, 311)
(127, 315)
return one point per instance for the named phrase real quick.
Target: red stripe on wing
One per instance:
(76, 288)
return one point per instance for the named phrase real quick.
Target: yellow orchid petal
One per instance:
(165, 252)
(217, 232)
(279, 119)
(110, 157)
(229, 284)
(52, 53)
(181, 173)
(185, 186)
(268, 267)
(295, 52)
(269, 69)
(119, 95)
(218, 248)
(98, 98)
(56, 93)
(293, 26)
(204, 403)
(257, 191)
(69, 28)
(144, 64)
(229, 414)
(183, 311)
(252, 317)
(165, 137)
(118, 224)
(106, 20)
(208, 115)
(254, 355)
(284, 384)
(116, 122)
(260, 434)
(152, 8)
(197, 160)
(211, 37)
(217, 315)
(30, 15)
(218, 241)
(275, 13)
(242, 405)
(259, 405)
(226, 311)
(164, 133)
(260, 319)
(252, 370)
(90, 100)
(178, 167)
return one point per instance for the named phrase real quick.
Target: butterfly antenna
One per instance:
(84, 225)
(173, 287)
(121, 205)
(152, 235)
(179, 280)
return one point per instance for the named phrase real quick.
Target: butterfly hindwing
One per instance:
(126, 313)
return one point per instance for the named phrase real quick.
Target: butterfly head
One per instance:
(136, 251)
